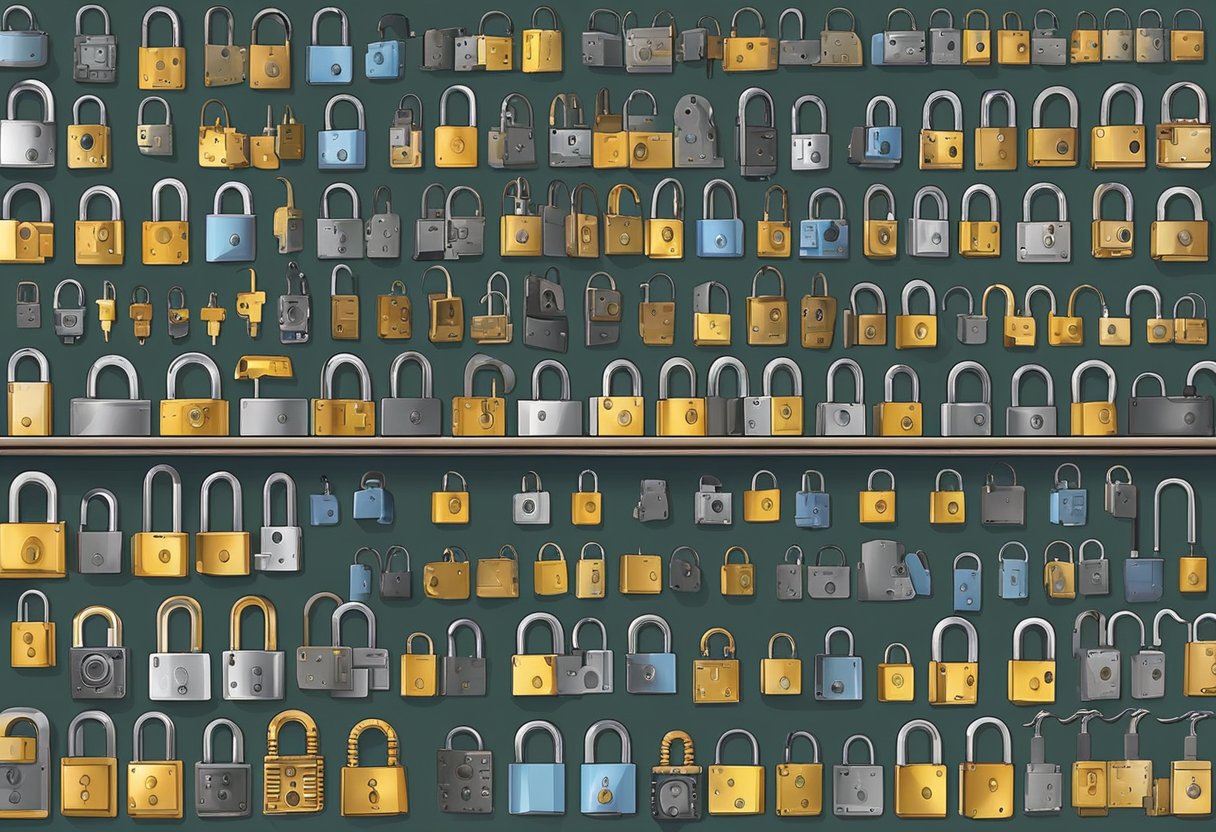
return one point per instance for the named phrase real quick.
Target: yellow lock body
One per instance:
(985, 791)
(455, 146)
(162, 68)
(419, 671)
(799, 790)
(1190, 788)
(920, 791)
(896, 682)
(88, 787)
(590, 578)
(498, 577)
(446, 579)
(640, 574)
(736, 790)
(953, 683)
(293, 783)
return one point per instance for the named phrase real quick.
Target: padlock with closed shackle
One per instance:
(513, 143)
(1053, 147)
(877, 146)
(809, 151)
(162, 67)
(899, 418)
(941, 149)
(1118, 146)
(880, 236)
(822, 238)
(94, 56)
(756, 144)
(840, 418)
(775, 415)
(996, 147)
(953, 682)
(177, 676)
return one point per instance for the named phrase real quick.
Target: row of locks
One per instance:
(611, 40)
(31, 403)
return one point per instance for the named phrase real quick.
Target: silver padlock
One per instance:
(696, 134)
(601, 47)
(1118, 42)
(281, 547)
(420, 415)
(789, 575)
(93, 416)
(1031, 420)
(724, 414)
(1043, 791)
(652, 505)
(531, 506)
(1146, 670)
(1047, 46)
(464, 675)
(254, 675)
(595, 671)
(760, 417)
(323, 667)
(569, 142)
(1150, 40)
(550, 417)
(1098, 670)
(945, 42)
(28, 143)
(439, 47)
(99, 551)
(711, 505)
(223, 790)
(340, 238)
(602, 312)
(68, 320)
(179, 677)
(383, 228)
(1093, 575)
(151, 138)
(513, 143)
(29, 306)
(756, 144)
(882, 574)
(699, 44)
(263, 416)
(829, 581)
(810, 151)
(967, 418)
(370, 664)
(295, 311)
(1120, 498)
(94, 57)
(799, 51)
(833, 418)
(970, 328)
(1045, 242)
(900, 47)
(431, 228)
(466, 233)
(930, 237)
(649, 49)
(857, 790)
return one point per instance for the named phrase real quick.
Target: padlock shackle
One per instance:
(707, 198)
(204, 496)
(1068, 546)
(635, 627)
(175, 495)
(677, 199)
(844, 752)
(747, 559)
(1074, 107)
(545, 547)
(599, 727)
(935, 737)
(35, 355)
(582, 554)
(870, 288)
(1192, 537)
(1011, 106)
(227, 13)
(737, 732)
(975, 368)
(101, 106)
(262, 15)
(289, 489)
(335, 620)
(1115, 616)
(312, 739)
(1000, 555)
(674, 363)
(562, 373)
(714, 376)
(316, 25)
(1049, 637)
(798, 104)
(76, 732)
(1136, 383)
(973, 639)
(355, 207)
(193, 610)
(469, 96)
(238, 740)
(558, 635)
(621, 365)
(873, 105)
(1194, 297)
(409, 644)
(478, 638)
(728, 650)
(270, 622)
(414, 357)
(858, 381)
(105, 17)
(786, 364)
(806, 477)
(508, 110)
(189, 358)
(95, 191)
(886, 654)
(521, 737)
(817, 196)
(111, 502)
(875, 189)
(44, 212)
(1108, 97)
(1093, 364)
(1034, 369)
(994, 203)
(1167, 101)
(827, 638)
(466, 730)
(137, 751)
(888, 384)
(1167, 612)
(956, 105)
(330, 368)
(308, 605)
(912, 286)
(113, 625)
(1006, 740)
(1184, 192)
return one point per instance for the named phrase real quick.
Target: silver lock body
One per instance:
(255, 675)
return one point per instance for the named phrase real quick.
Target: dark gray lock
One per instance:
(829, 581)
(1044, 783)
(724, 414)
(179, 324)
(857, 790)
(464, 779)
(1121, 499)
(1003, 504)
(280, 547)
(569, 143)
(652, 505)
(383, 228)
(513, 143)
(545, 323)
(464, 675)
(1187, 415)
(882, 574)
(1047, 46)
(295, 308)
(699, 44)
(98, 672)
(711, 505)
(603, 48)
(602, 312)
(396, 583)
(967, 418)
(696, 134)
(406, 119)
(945, 42)
(325, 667)
(683, 573)
(420, 415)
(1031, 420)
(68, 320)
(903, 47)
(25, 784)
(553, 222)
(439, 47)
(29, 307)
(99, 552)
(466, 233)
(970, 328)
(595, 675)
(340, 238)
(789, 575)
(756, 144)
(799, 51)
(1098, 668)
(431, 228)
(1093, 575)
(95, 57)
(223, 790)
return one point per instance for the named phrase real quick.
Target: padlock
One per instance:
(781, 677)
(874, 146)
(953, 682)
(373, 500)
(1192, 567)
(607, 789)
(220, 145)
(513, 143)
(1147, 664)
(207, 416)
(789, 575)
(948, 506)
(385, 58)
(275, 416)
(941, 149)
(967, 418)
(550, 577)
(1068, 506)
(33, 549)
(474, 415)
(929, 237)
(738, 578)
(1192, 330)
(650, 673)
(323, 507)
(985, 790)
(223, 790)
(69, 320)
(700, 43)
(590, 573)
(899, 418)
(913, 331)
(1085, 42)
(333, 416)
(1032, 681)
(586, 507)
(179, 677)
(464, 675)
(656, 319)
(465, 778)
(896, 680)
(293, 783)
(1043, 791)
(90, 783)
(773, 235)
(99, 551)
(719, 237)
(342, 148)
(553, 221)
(161, 554)
(95, 56)
(289, 137)
(875, 505)
(494, 327)
(1047, 46)
(88, 143)
(223, 63)
(362, 575)
(1093, 418)
(821, 238)
(809, 151)
(748, 53)
(920, 788)
(100, 242)
(323, 667)
(695, 137)
(410, 415)
(710, 329)
(648, 49)
(32, 642)
(775, 415)
(1060, 575)
(756, 144)
(1118, 146)
(154, 787)
(1130, 780)
(1013, 575)
(736, 789)
(254, 675)
(726, 415)
(343, 307)
(167, 242)
(839, 47)
(857, 790)
(838, 678)
(520, 229)
(1098, 668)
(683, 573)
(1053, 147)
(646, 146)
(419, 670)
(880, 237)
(1113, 238)
(222, 553)
(882, 574)
(609, 138)
(680, 416)
(898, 47)
(1044, 242)
(675, 790)
(28, 143)
(996, 148)
(330, 64)
(456, 146)
(945, 42)
(23, 241)
(535, 674)
(976, 42)
(270, 63)
(28, 305)
(1150, 40)
(618, 415)
(1031, 420)
(640, 574)
(446, 311)
(818, 325)
(369, 666)
(491, 53)
(812, 508)
(1190, 781)
(664, 236)
(711, 505)
(833, 418)
(30, 403)
(1199, 678)
(232, 238)
(383, 230)
(550, 417)
(1012, 41)
(603, 311)
(139, 311)
(600, 47)
(98, 672)
(1183, 142)
(537, 788)
(586, 670)
(716, 680)
(439, 48)
(1180, 241)
(162, 67)
(542, 47)
(582, 227)
(405, 134)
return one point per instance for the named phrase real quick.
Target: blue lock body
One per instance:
(917, 565)
(342, 149)
(877, 41)
(968, 587)
(232, 238)
(22, 47)
(812, 509)
(823, 239)
(385, 59)
(537, 788)
(361, 577)
(608, 788)
(650, 672)
(330, 64)
(1014, 575)
(323, 508)
(837, 678)
(719, 237)
(373, 501)
(1069, 506)
(1143, 578)
(884, 144)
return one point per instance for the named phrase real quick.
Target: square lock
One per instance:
(920, 788)
(837, 677)
(857, 790)
(967, 585)
(450, 506)
(799, 791)
(781, 677)
(531, 506)
(711, 505)
(1012, 43)
(896, 681)
(986, 790)
(762, 505)
(952, 683)
(640, 574)
(1148, 674)
(945, 42)
(824, 581)
(737, 579)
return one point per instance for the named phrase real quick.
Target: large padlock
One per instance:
(1044, 241)
(535, 674)
(823, 238)
(1032, 681)
(857, 790)
(95, 56)
(293, 784)
(607, 789)
(618, 415)
(537, 788)
(1193, 566)
(985, 790)
(167, 242)
(28, 143)
(876, 146)
(254, 675)
(232, 238)
(756, 144)
(179, 677)
(33, 549)
(88, 143)
(1054, 147)
(1093, 418)
(474, 415)
(222, 552)
(833, 418)
(953, 682)
(736, 789)
(809, 151)
(1180, 241)
(928, 236)
(154, 787)
(550, 417)
(162, 67)
(899, 418)
(513, 143)
(334, 416)
(838, 677)
(161, 554)
(967, 418)
(223, 790)
(23, 241)
(100, 242)
(1098, 668)
(205, 416)
(996, 148)
(330, 64)
(685, 416)
(464, 779)
(90, 782)
(1118, 146)
(270, 63)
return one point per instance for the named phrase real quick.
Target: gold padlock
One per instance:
(420, 671)
(193, 417)
(494, 327)
(1199, 667)
(773, 237)
(289, 137)
(22, 241)
(498, 577)
(941, 149)
(877, 506)
(980, 238)
(1192, 330)
(1192, 567)
(373, 791)
(648, 148)
(293, 783)
(1188, 790)
(263, 150)
(640, 574)
(394, 314)
(1016, 330)
(996, 148)
(865, 328)
(716, 681)
(920, 788)
(140, 313)
(762, 505)
(542, 47)
(748, 53)
(1129, 783)
(736, 789)
(1113, 238)
(1053, 147)
(767, 315)
(221, 145)
(154, 787)
(222, 553)
(1180, 241)
(680, 416)
(609, 139)
(1012, 41)
(550, 577)
(448, 577)
(344, 308)
(800, 785)
(665, 235)
(160, 554)
(977, 43)
(785, 412)
(896, 418)
(162, 67)
(1184, 143)
(916, 331)
(519, 230)
(89, 144)
(1118, 146)
(30, 403)
(495, 53)
(446, 324)
(474, 415)
(985, 790)
(657, 318)
(738, 578)
(1098, 418)
(1085, 42)
(1032, 681)
(33, 549)
(1060, 576)
(270, 63)
(590, 574)
(617, 415)
(818, 327)
(100, 242)
(32, 643)
(587, 507)
(1069, 329)
(167, 242)
(333, 416)
(583, 228)
(622, 232)
(896, 680)
(948, 506)
(89, 784)
(535, 674)
(781, 677)
(880, 237)
(1158, 329)
(1186, 46)
(405, 134)
(450, 506)
(456, 146)
(953, 683)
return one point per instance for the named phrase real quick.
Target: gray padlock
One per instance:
(1047, 46)
(699, 44)
(789, 575)
(1043, 791)
(711, 505)
(758, 411)
(810, 151)
(94, 57)
(406, 121)
(650, 49)
(1150, 40)
(603, 309)
(29, 307)
(967, 418)
(833, 418)
(383, 228)
(92, 416)
(799, 51)
(396, 583)
(99, 552)
(1031, 420)
(1121, 499)
(931, 237)
(553, 221)
(26, 780)
(601, 47)
(1093, 575)
(696, 134)
(98, 672)
(652, 505)
(340, 238)
(1003, 504)
(464, 675)
(431, 227)
(724, 414)
(546, 325)
(223, 790)
(882, 574)
(1118, 43)
(569, 142)
(756, 144)
(595, 673)
(180, 677)
(154, 139)
(1098, 668)
(270, 416)
(550, 417)
(513, 143)
(254, 675)
(857, 790)
(295, 309)
(470, 51)
(945, 42)
(684, 573)
(531, 505)
(323, 667)
(369, 666)
(68, 321)
(824, 581)
(1147, 669)
(281, 547)
(970, 329)
(1045, 241)
(439, 47)
(28, 143)
(464, 779)
(420, 415)
(1164, 415)
(902, 47)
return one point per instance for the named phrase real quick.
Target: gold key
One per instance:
(140, 312)
(213, 315)
(249, 304)
(107, 308)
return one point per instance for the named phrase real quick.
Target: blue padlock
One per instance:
(1143, 578)
(1014, 574)
(875, 145)
(812, 509)
(344, 148)
(877, 42)
(650, 672)
(823, 239)
(1069, 506)
(837, 678)
(330, 64)
(373, 501)
(361, 577)
(608, 788)
(715, 237)
(22, 47)
(385, 59)
(232, 238)
(968, 586)
(323, 508)
(537, 788)
(917, 565)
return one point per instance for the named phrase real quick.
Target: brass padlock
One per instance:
(1096, 418)
(154, 787)
(996, 148)
(879, 237)
(916, 331)
(542, 47)
(494, 327)
(455, 145)
(948, 506)
(344, 308)
(162, 67)
(448, 505)
(773, 237)
(622, 232)
(1187, 45)
(1060, 576)
(221, 145)
(30, 403)
(609, 139)
(373, 791)
(474, 415)
(167, 242)
(394, 314)
(1179, 241)
(1158, 329)
(897, 418)
(1192, 330)
(800, 785)
(520, 228)
(89, 784)
(877, 506)
(32, 643)
(1012, 41)
(781, 677)
(1192, 567)
(818, 316)
(748, 53)
(160, 554)
(1016, 330)
(762, 505)
(448, 577)
(494, 53)
(768, 315)
(648, 148)
(613, 415)
(270, 63)
(640, 574)
(289, 137)
(1069, 329)
(582, 227)
(1032, 681)
(680, 416)
(332, 416)
(1053, 147)
(1182, 142)
(985, 790)
(736, 789)
(587, 507)
(217, 552)
(869, 328)
(405, 134)
(293, 783)
(665, 235)
(657, 318)
(953, 683)
(140, 313)
(446, 324)
(498, 577)
(420, 671)
(1118, 146)
(1085, 43)
(550, 577)
(535, 674)
(896, 680)
(193, 417)
(89, 144)
(100, 242)
(738, 578)
(590, 574)
(1113, 238)
(941, 149)
(977, 43)
(920, 788)
(980, 238)
(716, 680)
